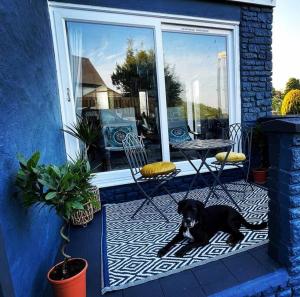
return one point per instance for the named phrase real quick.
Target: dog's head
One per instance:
(191, 211)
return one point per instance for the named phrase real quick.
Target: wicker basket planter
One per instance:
(82, 217)
(96, 192)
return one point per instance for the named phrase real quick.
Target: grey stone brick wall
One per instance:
(284, 194)
(256, 62)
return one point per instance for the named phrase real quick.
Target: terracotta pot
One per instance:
(70, 287)
(260, 176)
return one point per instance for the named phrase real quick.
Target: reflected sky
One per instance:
(106, 45)
(195, 58)
(192, 56)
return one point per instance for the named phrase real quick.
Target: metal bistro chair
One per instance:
(137, 158)
(242, 136)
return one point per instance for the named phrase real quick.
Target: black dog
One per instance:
(200, 224)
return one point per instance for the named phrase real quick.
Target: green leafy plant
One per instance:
(292, 84)
(291, 103)
(65, 188)
(86, 131)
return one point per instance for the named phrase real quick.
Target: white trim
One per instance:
(162, 103)
(123, 177)
(236, 71)
(257, 2)
(60, 12)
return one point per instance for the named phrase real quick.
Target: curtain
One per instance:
(75, 44)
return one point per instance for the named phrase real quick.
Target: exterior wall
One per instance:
(283, 191)
(30, 120)
(256, 62)
(206, 9)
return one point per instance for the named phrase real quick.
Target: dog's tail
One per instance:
(260, 226)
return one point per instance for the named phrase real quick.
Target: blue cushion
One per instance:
(179, 134)
(115, 135)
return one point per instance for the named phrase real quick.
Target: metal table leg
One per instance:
(203, 158)
(218, 181)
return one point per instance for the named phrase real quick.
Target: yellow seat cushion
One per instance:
(157, 168)
(232, 157)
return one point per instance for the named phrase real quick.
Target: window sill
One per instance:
(123, 177)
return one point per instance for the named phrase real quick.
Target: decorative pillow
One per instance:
(179, 134)
(157, 168)
(232, 157)
(115, 135)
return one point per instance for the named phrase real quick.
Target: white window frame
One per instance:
(60, 13)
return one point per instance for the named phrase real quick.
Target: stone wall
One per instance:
(256, 62)
(284, 194)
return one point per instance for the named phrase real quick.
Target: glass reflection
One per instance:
(198, 100)
(114, 84)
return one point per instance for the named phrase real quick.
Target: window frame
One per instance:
(61, 13)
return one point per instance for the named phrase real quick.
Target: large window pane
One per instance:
(196, 86)
(114, 85)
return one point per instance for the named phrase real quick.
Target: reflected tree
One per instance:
(137, 73)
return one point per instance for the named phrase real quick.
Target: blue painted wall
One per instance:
(209, 9)
(29, 120)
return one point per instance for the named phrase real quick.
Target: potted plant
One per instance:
(88, 133)
(67, 190)
(260, 146)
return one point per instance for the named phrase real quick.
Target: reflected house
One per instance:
(95, 93)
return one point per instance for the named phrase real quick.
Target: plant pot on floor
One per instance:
(75, 284)
(260, 175)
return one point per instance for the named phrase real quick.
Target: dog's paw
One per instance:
(161, 252)
(231, 242)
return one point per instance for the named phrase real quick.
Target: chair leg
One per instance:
(168, 192)
(148, 200)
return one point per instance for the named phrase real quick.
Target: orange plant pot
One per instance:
(260, 176)
(70, 287)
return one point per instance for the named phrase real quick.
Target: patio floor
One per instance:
(200, 281)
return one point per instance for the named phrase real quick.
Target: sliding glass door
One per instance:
(161, 78)
(196, 85)
(113, 74)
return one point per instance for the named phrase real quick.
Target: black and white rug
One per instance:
(129, 246)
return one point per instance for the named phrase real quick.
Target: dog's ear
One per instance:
(181, 205)
(200, 206)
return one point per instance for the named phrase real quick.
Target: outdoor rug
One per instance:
(129, 246)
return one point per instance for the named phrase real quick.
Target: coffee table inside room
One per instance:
(204, 149)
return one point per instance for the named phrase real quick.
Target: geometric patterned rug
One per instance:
(129, 246)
